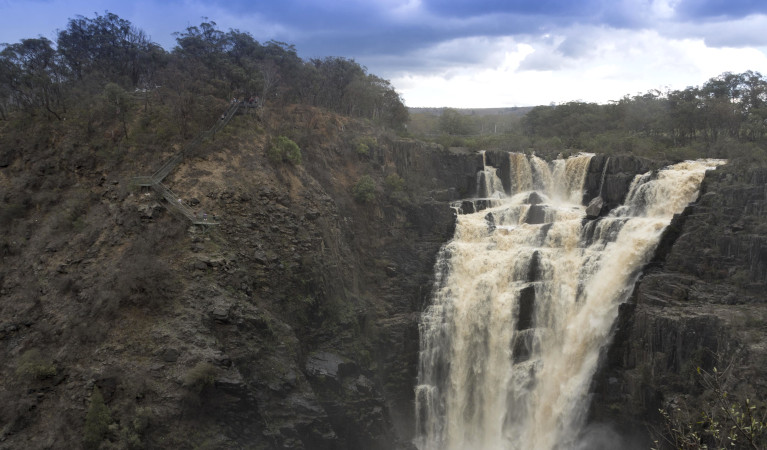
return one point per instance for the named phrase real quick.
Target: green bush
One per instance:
(33, 365)
(97, 421)
(723, 421)
(364, 144)
(293, 154)
(395, 188)
(364, 190)
(131, 433)
(394, 182)
(274, 154)
(283, 149)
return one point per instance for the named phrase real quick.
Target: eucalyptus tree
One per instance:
(31, 75)
(453, 123)
(108, 47)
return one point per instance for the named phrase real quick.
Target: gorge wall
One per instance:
(294, 324)
(700, 304)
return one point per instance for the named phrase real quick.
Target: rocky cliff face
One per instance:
(291, 325)
(700, 303)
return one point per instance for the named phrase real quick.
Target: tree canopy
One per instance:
(90, 53)
(731, 106)
(725, 117)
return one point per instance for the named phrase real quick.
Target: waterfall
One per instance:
(521, 173)
(489, 185)
(602, 179)
(524, 299)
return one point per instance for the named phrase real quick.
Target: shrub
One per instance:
(274, 154)
(394, 182)
(364, 190)
(395, 188)
(131, 432)
(364, 144)
(33, 365)
(723, 420)
(293, 153)
(283, 149)
(97, 421)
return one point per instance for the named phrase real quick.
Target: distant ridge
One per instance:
(508, 111)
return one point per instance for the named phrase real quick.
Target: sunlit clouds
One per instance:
(589, 64)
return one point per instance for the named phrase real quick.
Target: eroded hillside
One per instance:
(292, 324)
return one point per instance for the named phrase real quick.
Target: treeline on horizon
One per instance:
(108, 57)
(104, 68)
(726, 118)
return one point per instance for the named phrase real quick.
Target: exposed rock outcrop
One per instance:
(594, 208)
(699, 304)
(610, 177)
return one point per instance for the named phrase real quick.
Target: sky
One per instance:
(467, 53)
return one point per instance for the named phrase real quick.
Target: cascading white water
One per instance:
(489, 186)
(525, 297)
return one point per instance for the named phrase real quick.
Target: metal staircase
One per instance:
(173, 202)
(180, 207)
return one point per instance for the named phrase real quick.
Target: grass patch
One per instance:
(32, 365)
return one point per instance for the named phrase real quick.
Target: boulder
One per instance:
(534, 199)
(490, 219)
(595, 207)
(467, 207)
(536, 215)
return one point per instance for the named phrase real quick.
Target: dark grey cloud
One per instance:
(546, 8)
(711, 9)
(309, 15)
(387, 37)
(369, 31)
(432, 35)
(735, 33)
(367, 27)
(363, 29)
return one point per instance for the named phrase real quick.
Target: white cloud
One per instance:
(618, 63)
(663, 9)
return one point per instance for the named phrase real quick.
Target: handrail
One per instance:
(171, 164)
(155, 180)
(174, 200)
